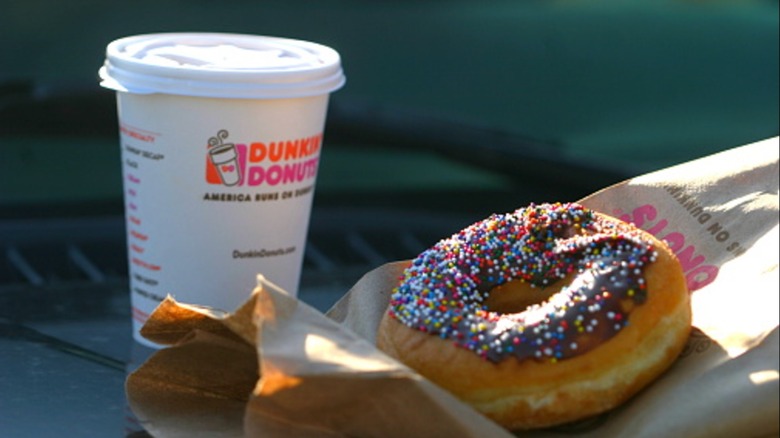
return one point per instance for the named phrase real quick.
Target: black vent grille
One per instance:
(80, 265)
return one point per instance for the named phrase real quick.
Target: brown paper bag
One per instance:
(278, 368)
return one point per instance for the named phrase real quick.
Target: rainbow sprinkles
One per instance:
(443, 291)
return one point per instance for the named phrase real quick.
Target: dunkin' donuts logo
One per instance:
(261, 163)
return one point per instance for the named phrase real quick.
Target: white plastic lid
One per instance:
(221, 65)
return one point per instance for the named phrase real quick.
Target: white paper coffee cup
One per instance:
(220, 137)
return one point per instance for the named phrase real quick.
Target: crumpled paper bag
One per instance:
(278, 368)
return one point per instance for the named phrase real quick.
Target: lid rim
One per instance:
(319, 74)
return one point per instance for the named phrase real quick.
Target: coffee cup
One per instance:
(220, 138)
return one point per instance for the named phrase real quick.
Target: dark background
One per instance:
(501, 97)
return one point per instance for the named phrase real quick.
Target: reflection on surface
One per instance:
(765, 376)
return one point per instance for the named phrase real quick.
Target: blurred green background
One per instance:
(634, 85)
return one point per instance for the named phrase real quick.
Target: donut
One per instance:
(540, 317)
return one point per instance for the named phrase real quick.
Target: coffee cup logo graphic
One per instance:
(225, 159)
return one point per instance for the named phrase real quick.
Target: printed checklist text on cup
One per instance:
(138, 154)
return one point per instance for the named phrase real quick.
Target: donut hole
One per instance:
(517, 295)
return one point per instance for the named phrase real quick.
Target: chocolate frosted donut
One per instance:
(546, 287)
